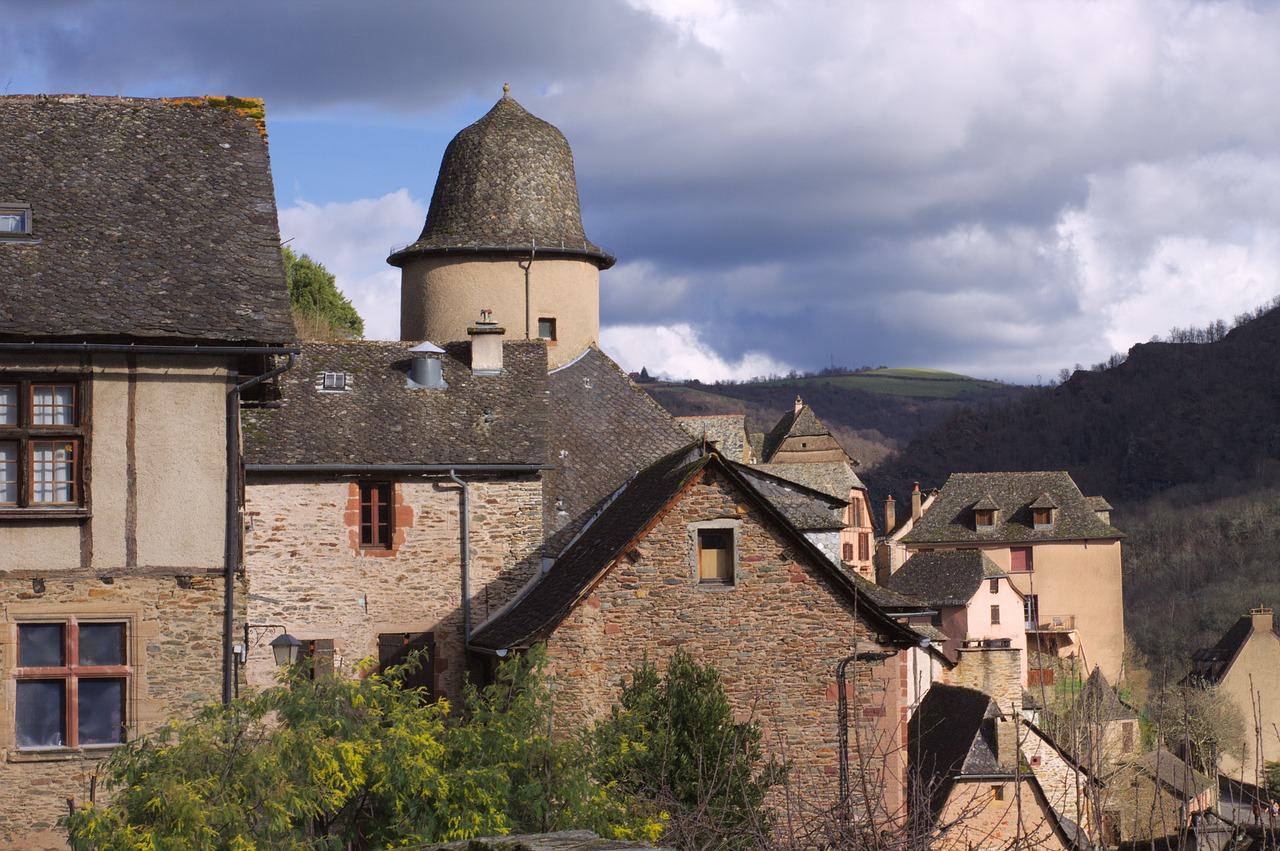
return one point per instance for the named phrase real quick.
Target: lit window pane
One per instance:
(102, 644)
(53, 404)
(101, 709)
(8, 404)
(41, 714)
(8, 472)
(52, 471)
(40, 645)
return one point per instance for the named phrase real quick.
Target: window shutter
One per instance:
(848, 552)
(395, 648)
(318, 655)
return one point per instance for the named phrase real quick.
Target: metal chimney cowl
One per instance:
(426, 372)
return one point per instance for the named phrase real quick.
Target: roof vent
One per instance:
(426, 371)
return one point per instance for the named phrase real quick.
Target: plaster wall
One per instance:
(775, 635)
(441, 296)
(1252, 684)
(308, 573)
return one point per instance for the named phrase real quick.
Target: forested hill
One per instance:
(1171, 414)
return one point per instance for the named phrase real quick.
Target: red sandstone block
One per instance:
(612, 629)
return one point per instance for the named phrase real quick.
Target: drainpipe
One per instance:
(233, 521)
(464, 533)
(527, 266)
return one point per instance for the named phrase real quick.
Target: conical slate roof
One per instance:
(506, 183)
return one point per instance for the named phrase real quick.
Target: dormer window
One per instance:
(984, 517)
(334, 382)
(15, 220)
(1042, 512)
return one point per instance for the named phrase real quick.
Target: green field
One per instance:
(902, 381)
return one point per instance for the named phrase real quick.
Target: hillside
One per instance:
(873, 413)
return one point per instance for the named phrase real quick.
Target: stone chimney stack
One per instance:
(890, 514)
(916, 511)
(1263, 619)
(1006, 737)
(486, 345)
(799, 405)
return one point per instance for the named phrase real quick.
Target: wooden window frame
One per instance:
(377, 533)
(706, 531)
(71, 673)
(394, 649)
(550, 322)
(28, 437)
(1031, 610)
(855, 511)
(1042, 518)
(864, 546)
(994, 585)
(995, 615)
(984, 518)
(316, 655)
(1029, 564)
(846, 550)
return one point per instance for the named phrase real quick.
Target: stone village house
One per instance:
(141, 290)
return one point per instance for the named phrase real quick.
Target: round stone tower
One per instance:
(504, 233)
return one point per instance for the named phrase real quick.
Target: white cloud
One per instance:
(353, 240)
(679, 352)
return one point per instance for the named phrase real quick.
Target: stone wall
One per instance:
(308, 573)
(776, 635)
(174, 655)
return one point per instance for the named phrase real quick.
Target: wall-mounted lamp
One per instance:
(284, 646)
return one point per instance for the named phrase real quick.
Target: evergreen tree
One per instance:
(319, 307)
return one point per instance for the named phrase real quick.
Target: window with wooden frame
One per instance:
(995, 586)
(984, 518)
(864, 546)
(547, 328)
(1020, 560)
(376, 515)
(715, 556)
(847, 552)
(72, 683)
(41, 444)
(855, 511)
(995, 615)
(413, 654)
(1042, 518)
(1031, 611)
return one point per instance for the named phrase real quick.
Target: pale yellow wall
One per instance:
(1255, 671)
(1080, 578)
(440, 297)
(156, 492)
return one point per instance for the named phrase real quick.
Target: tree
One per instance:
(1199, 722)
(351, 764)
(320, 309)
(672, 742)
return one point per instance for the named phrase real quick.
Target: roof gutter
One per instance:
(233, 522)
(372, 469)
(147, 348)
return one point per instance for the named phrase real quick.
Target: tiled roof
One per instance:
(950, 518)
(831, 477)
(1181, 778)
(622, 520)
(1098, 503)
(793, 424)
(806, 509)
(948, 578)
(491, 419)
(506, 182)
(151, 219)
(728, 432)
(1211, 664)
(603, 429)
(951, 734)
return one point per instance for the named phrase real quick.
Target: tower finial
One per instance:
(506, 90)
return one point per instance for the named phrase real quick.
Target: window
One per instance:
(334, 382)
(41, 444)
(15, 220)
(1031, 611)
(1020, 559)
(1042, 518)
(984, 517)
(997, 792)
(847, 551)
(376, 515)
(398, 648)
(72, 682)
(316, 657)
(995, 615)
(547, 329)
(715, 556)
(995, 586)
(864, 546)
(855, 511)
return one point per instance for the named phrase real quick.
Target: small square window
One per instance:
(547, 329)
(334, 382)
(984, 517)
(997, 792)
(1042, 518)
(715, 556)
(15, 220)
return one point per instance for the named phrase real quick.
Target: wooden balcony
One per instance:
(1053, 623)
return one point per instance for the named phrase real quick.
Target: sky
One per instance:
(1000, 188)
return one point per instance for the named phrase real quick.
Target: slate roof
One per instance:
(806, 509)
(622, 520)
(950, 518)
(948, 578)
(507, 183)
(603, 429)
(498, 419)
(831, 477)
(1175, 774)
(952, 734)
(1210, 664)
(151, 219)
(728, 432)
(805, 423)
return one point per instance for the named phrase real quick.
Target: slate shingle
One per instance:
(944, 578)
(150, 219)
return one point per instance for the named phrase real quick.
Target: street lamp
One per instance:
(285, 648)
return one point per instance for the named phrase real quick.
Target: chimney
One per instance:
(426, 372)
(799, 405)
(1262, 619)
(915, 503)
(890, 514)
(486, 345)
(1006, 739)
